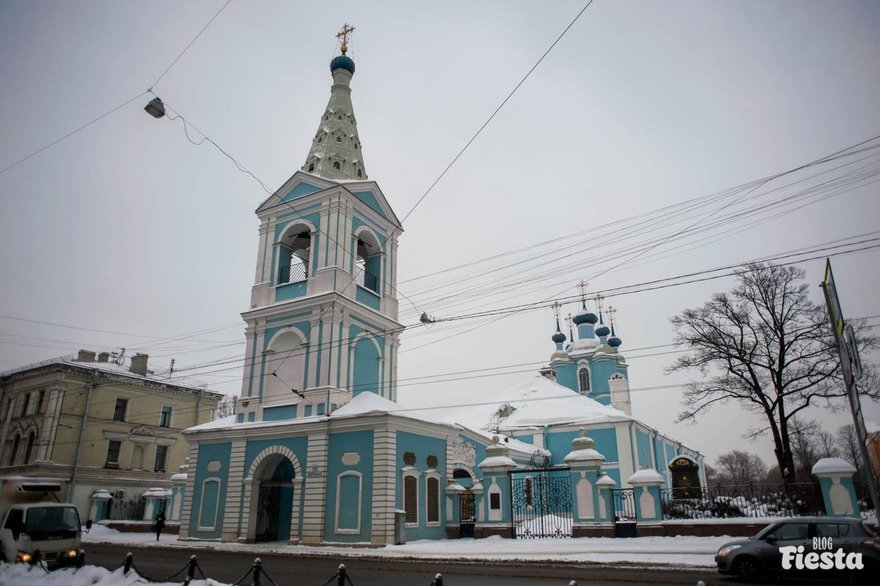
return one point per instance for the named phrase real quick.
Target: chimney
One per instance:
(103, 357)
(85, 356)
(139, 364)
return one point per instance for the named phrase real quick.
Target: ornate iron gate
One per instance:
(624, 501)
(541, 503)
(268, 510)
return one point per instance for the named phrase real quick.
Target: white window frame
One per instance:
(429, 475)
(583, 366)
(411, 473)
(360, 479)
(213, 526)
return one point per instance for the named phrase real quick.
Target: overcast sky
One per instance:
(127, 227)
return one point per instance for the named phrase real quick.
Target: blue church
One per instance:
(319, 451)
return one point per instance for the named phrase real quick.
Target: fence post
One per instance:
(257, 570)
(438, 580)
(126, 565)
(80, 558)
(191, 571)
(340, 575)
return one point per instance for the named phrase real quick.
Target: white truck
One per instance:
(34, 529)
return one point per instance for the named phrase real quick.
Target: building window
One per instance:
(14, 452)
(336, 165)
(161, 455)
(432, 499)
(119, 410)
(338, 139)
(113, 450)
(411, 499)
(30, 447)
(165, 417)
(495, 501)
(584, 380)
(311, 167)
(359, 173)
(25, 404)
(40, 396)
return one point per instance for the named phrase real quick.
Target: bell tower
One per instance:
(322, 326)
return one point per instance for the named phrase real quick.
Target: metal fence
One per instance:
(753, 500)
(292, 274)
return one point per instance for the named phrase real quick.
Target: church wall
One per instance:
(298, 445)
(643, 450)
(660, 456)
(559, 443)
(301, 189)
(210, 490)
(349, 487)
(600, 372)
(418, 449)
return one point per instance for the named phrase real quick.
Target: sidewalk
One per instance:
(675, 551)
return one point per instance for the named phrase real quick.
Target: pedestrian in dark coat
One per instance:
(160, 523)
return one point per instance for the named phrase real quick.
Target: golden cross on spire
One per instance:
(570, 333)
(583, 287)
(611, 312)
(556, 305)
(599, 303)
(343, 35)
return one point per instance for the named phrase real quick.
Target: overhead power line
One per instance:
(185, 49)
(72, 132)
(498, 109)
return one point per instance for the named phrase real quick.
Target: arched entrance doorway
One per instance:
(274, 499)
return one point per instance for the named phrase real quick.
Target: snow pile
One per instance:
(21, 574)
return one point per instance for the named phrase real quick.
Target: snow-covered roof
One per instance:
(116, 369)
(537, 401)
(833, 466)
(646, 476)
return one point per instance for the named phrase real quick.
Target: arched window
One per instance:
(432, 499)
(30, 447)
(336, 165)
(584, 380)
(14, 451)
(296, 253)
(311, 167)
(369, 262)
(359, 173)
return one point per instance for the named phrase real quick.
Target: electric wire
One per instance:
(72, 132)
(498, 109)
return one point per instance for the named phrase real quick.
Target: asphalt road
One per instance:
(157, 563)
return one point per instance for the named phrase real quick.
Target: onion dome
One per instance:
(558, 337)
(614, 341)
(602, 331)
(585, 317)
(342, 62)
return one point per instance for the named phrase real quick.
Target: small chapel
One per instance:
(319, 451)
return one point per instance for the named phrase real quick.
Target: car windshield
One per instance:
(52, 522)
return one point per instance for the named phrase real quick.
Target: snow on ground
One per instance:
(682, 550)
(646, 551)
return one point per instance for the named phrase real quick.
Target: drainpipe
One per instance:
(82, 432)
(198, 404)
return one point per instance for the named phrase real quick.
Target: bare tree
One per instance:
(848, 444)
(765, 346)
(740, 468)
(809, 444)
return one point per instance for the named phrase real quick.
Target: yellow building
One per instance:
(94, 424)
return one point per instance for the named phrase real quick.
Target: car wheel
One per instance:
(747, 568)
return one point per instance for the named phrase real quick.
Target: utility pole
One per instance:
(852, 370)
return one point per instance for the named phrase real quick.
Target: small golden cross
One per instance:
(343, 35)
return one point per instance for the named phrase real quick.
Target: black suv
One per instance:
(805, 547)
